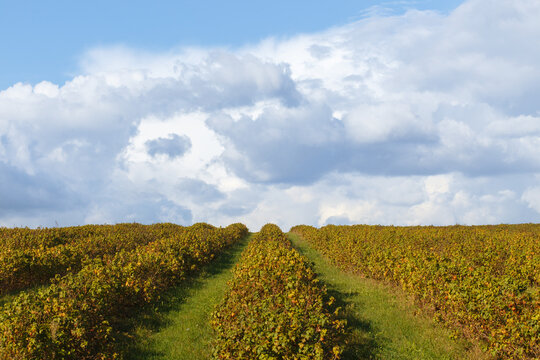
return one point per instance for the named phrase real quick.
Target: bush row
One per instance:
(275, 307)
(482, 280)
(28, 266)
(26, 238)
(77, 316)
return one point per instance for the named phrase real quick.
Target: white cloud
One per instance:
(532, 197)
(47, 89)
(393, 119)
(371, 123)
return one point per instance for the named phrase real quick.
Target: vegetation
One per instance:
(33, 257)
(178, 328)
(275, 307)
(382, 320)
(78, 315)
(76, 293)
(482, 280)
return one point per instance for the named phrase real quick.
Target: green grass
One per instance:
(179, 328)
(383, 322)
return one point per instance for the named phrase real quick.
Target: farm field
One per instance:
(81, 314)
(383, 322)
(30, 258)
(276, 307)
(179, 327)
(482, 281)
(340, 292)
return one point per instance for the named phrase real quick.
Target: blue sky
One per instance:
(43, 40)
(399, 112)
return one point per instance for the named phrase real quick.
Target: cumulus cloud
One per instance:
(199, 190)
(21, 192)
(286, 145)
(417, 118)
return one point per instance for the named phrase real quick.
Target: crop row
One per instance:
(482, 280)
(25, 238)
(275, 307)
(29, 266)
(79, 314)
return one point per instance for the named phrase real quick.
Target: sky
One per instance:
(402, 112)
(44, 40)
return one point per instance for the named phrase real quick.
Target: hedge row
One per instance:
(78, 315)
(29, 266)
(275, 307)
(482, 280)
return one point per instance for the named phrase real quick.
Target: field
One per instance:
(339, 292)
(482, 281)
(79, 315)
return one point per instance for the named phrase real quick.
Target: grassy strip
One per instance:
(275, 307)
(77, 316)
(381, 319)
(179, 328)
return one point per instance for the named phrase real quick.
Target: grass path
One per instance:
(179, 328)
(382, 320)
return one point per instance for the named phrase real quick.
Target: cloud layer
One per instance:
(419, 118)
